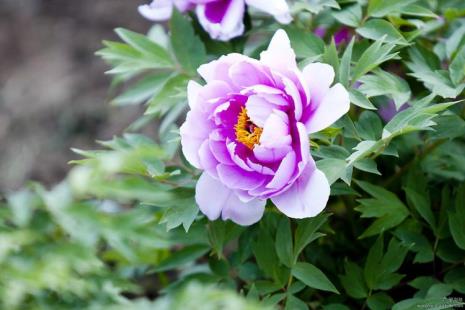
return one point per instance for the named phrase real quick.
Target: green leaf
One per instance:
(384, 83)
(344, 71)
(457, 218)
(380, 301)
(172, 93)
(372, 57)
(360, 100)
(313, 277)
(143, 90)
(304, 43)
(417, 10)
(457, 67)
(334, 169)
(183, 212)
(369, 125)
(380, 8)
(293, 302)
(418, 117)
(330, 56)
(350, 15)
(385, 206)
(283, 244)
(181, 257)
(187, 46)
(422, 204)
(425, 68)
(372, 270)
(353, 281)
(419, 244)
(141, 43)
(377, 29)
(265, 254)
(307, 231)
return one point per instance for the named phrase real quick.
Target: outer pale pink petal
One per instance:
(208, 162)
(158, 10)
(193, 90)
(307, 197)
(319, 78)
(213, 198)
(335, 104)
(278, 8)
(279, 55)
(243, 213)
(192, 136)
(183, 5)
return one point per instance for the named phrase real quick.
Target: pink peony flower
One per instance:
(222, 19)
(248, 128)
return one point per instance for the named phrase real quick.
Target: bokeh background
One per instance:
(53, 91)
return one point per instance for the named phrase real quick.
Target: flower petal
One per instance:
(284, 173)
(219, 69)
(243, 213)
(158, 10)
(193, 90)
(319, 78)
(231, 24)
(307, 197)
(237, 178)
(278, 8)
(279, 55)
(213, 198)
(193, 135)
(335, 104)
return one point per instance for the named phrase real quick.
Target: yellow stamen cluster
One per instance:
(246, 131)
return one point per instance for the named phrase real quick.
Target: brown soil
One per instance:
(53, 91)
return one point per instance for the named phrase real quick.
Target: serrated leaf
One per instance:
(376, 29)
(283, 244)
(313, 277)
(144, 45)
(372, 57)
(353, 281)
(457, 67)
(187, 46)
(384, 83)
(350, 15)
(380, 8)
(385, 206)
(307, 231)
(181, 257)
(457, 219)
(334, 169)
(360, 100)
(305, 44)
(344, 71)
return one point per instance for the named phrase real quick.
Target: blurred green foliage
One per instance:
(122, 231)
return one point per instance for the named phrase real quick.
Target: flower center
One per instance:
(247, 132)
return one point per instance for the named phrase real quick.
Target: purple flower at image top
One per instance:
(388, 110)
(248, 128)
(342, 35)
(222, 19)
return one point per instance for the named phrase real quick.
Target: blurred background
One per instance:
(53, 91)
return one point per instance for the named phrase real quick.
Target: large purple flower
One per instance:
(248, 128)
(222, 19)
